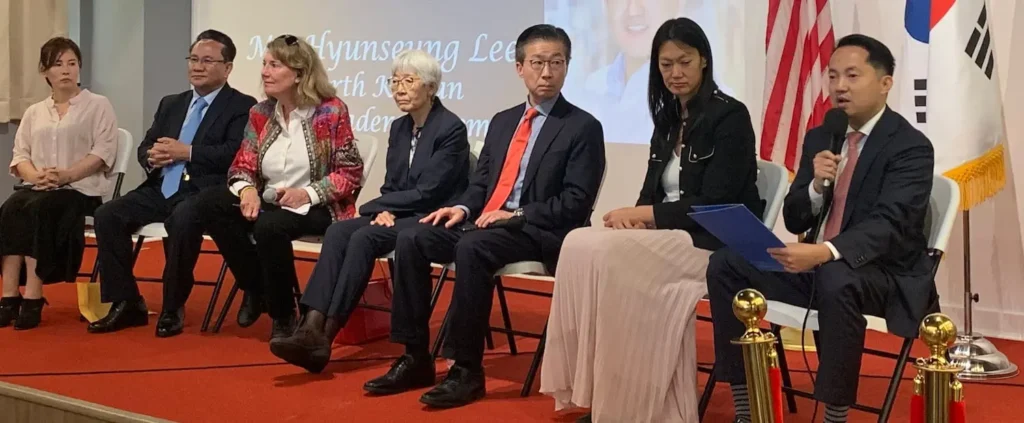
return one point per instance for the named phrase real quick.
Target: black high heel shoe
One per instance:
(9, 308)
(31, 314)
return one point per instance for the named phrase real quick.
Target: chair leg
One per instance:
(441, 279)
(95, 275)
(213, 297)
(441, 334)
(894, 382)
(787, 381)
(535, 365)
(298, 299)
(227, 306)
(505, 317)
(705, 397)
(137, 250)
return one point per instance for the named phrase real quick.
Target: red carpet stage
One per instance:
(231, 376)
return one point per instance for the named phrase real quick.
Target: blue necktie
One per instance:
(172, 174)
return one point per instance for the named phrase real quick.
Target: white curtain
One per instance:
(24, 26)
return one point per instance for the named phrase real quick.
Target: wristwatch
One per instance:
(518, 213)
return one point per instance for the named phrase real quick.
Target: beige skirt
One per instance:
(621, 334)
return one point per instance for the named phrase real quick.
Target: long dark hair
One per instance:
(664, 107)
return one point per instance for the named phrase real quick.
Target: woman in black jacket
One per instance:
(427, 166)
(623, 310)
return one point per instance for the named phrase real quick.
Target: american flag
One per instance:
(798, 43)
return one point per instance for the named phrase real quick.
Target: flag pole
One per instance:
(979, 358)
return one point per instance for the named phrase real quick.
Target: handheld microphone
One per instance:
(835, 124)
(270, 195)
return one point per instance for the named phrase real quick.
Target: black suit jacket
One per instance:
(884, 219)
(439, 171)
(717, 166)
(562, 178)
(216, 142)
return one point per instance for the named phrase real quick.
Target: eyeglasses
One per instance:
(554, 64)
(289, 39)
(205, 61)
(408, 82)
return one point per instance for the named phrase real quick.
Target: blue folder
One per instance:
(740, 230)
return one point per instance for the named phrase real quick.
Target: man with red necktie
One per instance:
(865, 256)
(537, 179)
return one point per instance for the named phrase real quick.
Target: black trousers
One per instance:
(349, 252)
(477, 255)
(266, 268)
(842, 296)
(117, 220)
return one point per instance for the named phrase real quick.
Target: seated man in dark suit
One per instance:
(537, 179)
(867, 255)
(190, 145)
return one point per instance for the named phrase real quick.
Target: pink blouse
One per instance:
(89, 127)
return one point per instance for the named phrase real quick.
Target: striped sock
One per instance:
(741, 400)
(836, 413)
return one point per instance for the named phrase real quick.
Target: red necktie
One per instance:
(510, 170)
(835, 217)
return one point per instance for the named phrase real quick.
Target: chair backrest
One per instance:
(474, 156)
(367, 145)
(942, 209)
(772, 183)
(125, 148)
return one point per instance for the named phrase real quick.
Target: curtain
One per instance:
(24, 26)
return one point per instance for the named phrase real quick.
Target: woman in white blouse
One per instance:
(63, 149)
(297, 171)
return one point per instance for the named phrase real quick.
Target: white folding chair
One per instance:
(124, 156)
(942, 211)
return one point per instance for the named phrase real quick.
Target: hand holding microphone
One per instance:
(826, 162)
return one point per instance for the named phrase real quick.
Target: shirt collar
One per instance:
(301, 113)
(545, 106)
(82, 95)
(868, 126)
(209, 97)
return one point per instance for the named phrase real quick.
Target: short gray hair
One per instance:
(419, 63)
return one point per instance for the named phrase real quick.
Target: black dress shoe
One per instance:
(31, 313)
(462, 386)
(307, 348)
(283, 328)
(170, 323)
(252, 308)
(407, 373)
(9, 309)
(122, 315)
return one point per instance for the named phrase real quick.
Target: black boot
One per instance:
(9, 308)
(31, 314)
(307, 347)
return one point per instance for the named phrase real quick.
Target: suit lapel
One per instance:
(218, 106)
(177, 118)
(880, 136)
(552, 125)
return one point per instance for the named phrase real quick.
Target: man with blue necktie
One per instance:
(193, 139)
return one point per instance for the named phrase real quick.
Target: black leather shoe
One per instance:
(407, 373)
(31, 313)
(250, 311)
(170, 323)
(306, 348)
(122, 315)
(283, 328)
(462, 386)
(9, 309)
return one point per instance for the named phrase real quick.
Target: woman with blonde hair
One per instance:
(63, 150)
(297, 171)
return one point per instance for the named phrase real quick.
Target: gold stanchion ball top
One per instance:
(937, 329)
(750, 307)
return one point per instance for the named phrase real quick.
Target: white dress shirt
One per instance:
(286, 161)
(818, 199)
(670, 179)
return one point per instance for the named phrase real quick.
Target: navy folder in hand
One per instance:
(740, 230)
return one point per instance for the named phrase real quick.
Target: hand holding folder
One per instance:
(740, 230)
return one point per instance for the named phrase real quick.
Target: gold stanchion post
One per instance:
(938, 393)
(759, 358)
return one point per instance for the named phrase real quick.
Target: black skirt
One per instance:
(48, 226)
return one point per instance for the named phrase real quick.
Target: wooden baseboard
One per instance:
(23, 404)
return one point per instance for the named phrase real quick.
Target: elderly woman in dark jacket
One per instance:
(427, 166)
